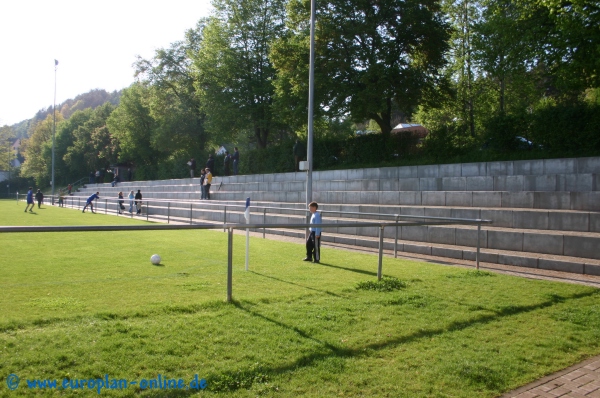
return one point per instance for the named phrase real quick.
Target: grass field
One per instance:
(90, 305)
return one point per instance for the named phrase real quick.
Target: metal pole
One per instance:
(224, 218)
(54, 128)
(168, 212)
(264, 221)
(396, 239)
(105, 206)
(147, 210)
(478, 235)
(311, 92)
(379, 268)
(190, 213)
(229, 264)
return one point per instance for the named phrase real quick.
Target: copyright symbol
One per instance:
(12, 381)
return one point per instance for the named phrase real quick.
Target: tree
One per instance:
(38, 151)
(133, 126)
(373, 58)
(173, 101)
(234, 75)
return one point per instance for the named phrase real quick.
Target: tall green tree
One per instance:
(38, 151)
(234, 75)
(173, 102)
(373, 58)
(133, 125)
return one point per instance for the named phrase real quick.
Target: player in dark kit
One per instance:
(90, 202)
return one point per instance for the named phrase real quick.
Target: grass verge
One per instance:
(86, 305)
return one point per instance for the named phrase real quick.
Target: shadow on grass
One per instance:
(227, 381)
(359, 271)
(297, 284)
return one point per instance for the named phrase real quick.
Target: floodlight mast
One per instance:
(54, 128)
(311, 92)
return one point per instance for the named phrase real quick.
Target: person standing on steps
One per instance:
(138, 202)
(202, 187)
(131, 198)
(210, 164)
(227, 163)
(207, 181)
(192, 164)
(298, 154)
(313, 242)
(236, 160)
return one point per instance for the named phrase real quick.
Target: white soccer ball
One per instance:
(155, 259)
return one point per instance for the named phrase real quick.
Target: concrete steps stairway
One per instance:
(546, 213)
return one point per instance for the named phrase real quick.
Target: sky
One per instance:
(94, 42)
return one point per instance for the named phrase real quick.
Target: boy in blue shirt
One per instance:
(29, 200)
(313, 242)
(90, 202)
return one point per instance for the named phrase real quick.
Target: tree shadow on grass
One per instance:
(227, 381)
(297, 284)
(359, 271)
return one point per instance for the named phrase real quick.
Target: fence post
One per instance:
(396, 239)
(229, 264)
(147, 209)
(168, 212)
(105, 206)
(264, 221)
(379, 268)
(224, 218)
(478, 237)
(190, 213)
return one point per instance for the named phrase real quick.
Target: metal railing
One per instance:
(183, 205)
(231, 227)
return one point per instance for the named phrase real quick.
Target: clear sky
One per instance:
(95, 43)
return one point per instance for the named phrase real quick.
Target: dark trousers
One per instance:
(313, 247)
(207, 193)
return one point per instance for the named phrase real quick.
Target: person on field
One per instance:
(29, 200)
(313, 242)
(207, 181)
(90, 202)
(138, 202)
(39, 197)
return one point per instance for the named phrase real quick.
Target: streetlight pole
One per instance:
(311, 93)
(54, 127)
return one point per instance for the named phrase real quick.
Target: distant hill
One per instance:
(91, 99)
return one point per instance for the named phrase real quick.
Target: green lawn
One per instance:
(86, 305)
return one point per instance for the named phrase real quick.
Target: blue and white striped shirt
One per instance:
(315, 219)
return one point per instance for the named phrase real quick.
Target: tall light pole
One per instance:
(54, 127)
(311, 93)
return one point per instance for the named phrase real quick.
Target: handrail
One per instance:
(433, 220)
(230, 228)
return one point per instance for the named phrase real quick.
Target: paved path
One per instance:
(577, 381)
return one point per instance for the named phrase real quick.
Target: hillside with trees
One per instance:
(489, 79)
